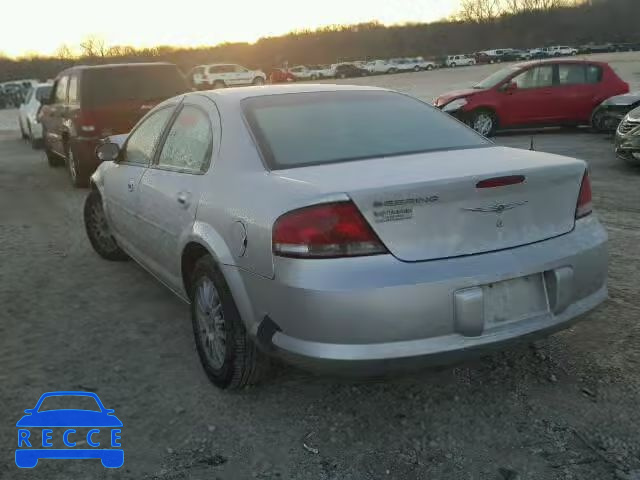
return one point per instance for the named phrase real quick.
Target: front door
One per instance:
(533, 100)
(55, 116)
(170, 190)
(121, 183)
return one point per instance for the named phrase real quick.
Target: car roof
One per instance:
(240, 93)
(117, 65)
(558, 60)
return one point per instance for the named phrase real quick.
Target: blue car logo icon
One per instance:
(42, 430)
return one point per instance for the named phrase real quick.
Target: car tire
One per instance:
(23, 134)
(453, 65)
(598, 120)
(229, 357)
(258, 81)
(483, 121)
(218, 84)
(393, 70)
(573, 54)
(98, 231)
(36, 143)
(77, 173)
(429, 67)
(342, 75)
(52, 159)
(314, 77)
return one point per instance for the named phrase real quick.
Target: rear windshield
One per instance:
(103, 86)
(296, 130)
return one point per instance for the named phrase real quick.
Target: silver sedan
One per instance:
(345, 228)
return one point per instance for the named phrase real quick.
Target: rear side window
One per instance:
(142, 142)
(303, 129)
(105, 86)
(188, 145)
(61, 90)
(73, 89)
(594, 74)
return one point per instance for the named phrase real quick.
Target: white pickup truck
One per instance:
(221, 75)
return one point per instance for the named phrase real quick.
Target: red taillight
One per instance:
(87, 123)
(326, 230)
(585, 205)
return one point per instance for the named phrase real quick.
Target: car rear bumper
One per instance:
(373, 314)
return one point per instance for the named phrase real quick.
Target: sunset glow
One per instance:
(142, 23)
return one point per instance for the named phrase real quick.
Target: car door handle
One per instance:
(131, 185)
(184, 199)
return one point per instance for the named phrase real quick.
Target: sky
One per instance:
(144, 23)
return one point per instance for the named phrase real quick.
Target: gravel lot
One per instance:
(566, 408)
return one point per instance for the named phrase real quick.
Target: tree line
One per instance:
(479, 25)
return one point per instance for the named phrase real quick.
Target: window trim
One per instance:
(123, 150)
(163, 139)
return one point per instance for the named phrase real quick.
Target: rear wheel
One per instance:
(314, 77)
(218, 84)
(77, 173)
(416, 68)
(392, 70)
(34, 142)
(429, 67)
(258, 81)
(484, 122)
(52, 159)
(229, 357)
(98, 230)
(23, 134)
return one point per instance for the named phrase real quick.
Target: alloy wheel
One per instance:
(483, 123)
(211, 324)
(99, 228)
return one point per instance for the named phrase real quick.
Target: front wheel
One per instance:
(453, 65)
(574, 53)
(258, 81)
(98, 230)
(229, 357)
(484, 122)
(429, 67)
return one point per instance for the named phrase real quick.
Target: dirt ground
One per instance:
(565, 408)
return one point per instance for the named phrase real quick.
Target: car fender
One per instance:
(204, 235)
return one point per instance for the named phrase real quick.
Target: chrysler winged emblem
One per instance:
(497, 208)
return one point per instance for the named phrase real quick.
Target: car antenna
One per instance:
(531, 146)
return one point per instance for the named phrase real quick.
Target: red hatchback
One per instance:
(539, 93)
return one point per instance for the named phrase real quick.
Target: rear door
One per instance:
(576, 91)
(170, 190)
(533, 101)
(121, 183)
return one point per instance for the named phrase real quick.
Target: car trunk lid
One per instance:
(435, 205)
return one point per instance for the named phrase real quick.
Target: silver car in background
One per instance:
(345, 228)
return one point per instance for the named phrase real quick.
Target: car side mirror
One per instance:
(108, 152)
(510, 87)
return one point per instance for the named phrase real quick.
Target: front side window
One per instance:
(240, 69)
(61, 90)
(142, 142)
(349, 125)
(538, 77)
(43, 92)
(188, 145)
